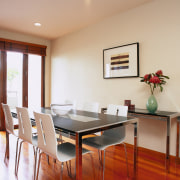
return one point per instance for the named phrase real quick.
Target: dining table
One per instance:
(79, 123)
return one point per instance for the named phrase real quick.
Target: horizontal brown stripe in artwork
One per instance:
(119, 57)
(119, 67)
(119, 62)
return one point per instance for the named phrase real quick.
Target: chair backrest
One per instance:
(25, 127)
(122, 110)
(8, 118)
(46, 134)
(73, 102)
(112, 109)
(91, 106)
(119, 132)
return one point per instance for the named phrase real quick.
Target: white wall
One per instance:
(33, 39)
(77, 65)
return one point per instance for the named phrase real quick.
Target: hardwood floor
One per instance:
(151, 165)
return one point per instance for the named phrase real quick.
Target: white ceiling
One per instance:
(58, 17)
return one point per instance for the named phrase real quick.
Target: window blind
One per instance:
(23, 47)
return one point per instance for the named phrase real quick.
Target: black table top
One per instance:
(84, 122)
(157, 113)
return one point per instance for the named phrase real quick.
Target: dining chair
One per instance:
(90, 106)
(47, 142)
(73, 102)
(112, 109)
(61, 110)
(110, 137)
(25, 133)
(10, 129)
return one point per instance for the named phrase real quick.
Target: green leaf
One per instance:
(166, 77)
(161, 88)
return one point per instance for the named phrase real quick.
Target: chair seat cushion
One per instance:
(67, 151)
(101, 142)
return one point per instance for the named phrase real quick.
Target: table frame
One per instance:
(167, 118)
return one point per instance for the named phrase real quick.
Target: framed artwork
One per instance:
(121, 61)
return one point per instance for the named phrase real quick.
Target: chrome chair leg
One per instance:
(47, 157)
(69, 168)
(34, 149)
(35, 161)
(5, 157)
(126, 159)
(7, 134)
(18, 158)
(104, 163)
(92, 164)
(38, 165)
(100, 156)
(16, 155)
(62, 165)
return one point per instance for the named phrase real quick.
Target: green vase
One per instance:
(152, 104)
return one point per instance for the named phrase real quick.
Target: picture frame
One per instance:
(121, 61)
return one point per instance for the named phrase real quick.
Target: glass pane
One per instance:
(34, 81)
(14, 79)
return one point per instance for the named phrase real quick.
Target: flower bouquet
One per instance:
(154, 80)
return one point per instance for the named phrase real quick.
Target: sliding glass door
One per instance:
(14, 79)
(34, 81)
(23, 80)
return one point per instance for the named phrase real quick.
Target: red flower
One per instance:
(159, 73)
(155, 80)
(147, 77)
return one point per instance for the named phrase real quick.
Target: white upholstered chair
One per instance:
(91, 106)
(10, 128)
(47, 142)
(25, 132)
(61, 110)
(110, 137)
(112, 109)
